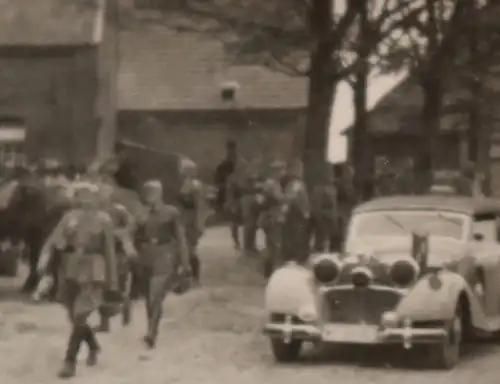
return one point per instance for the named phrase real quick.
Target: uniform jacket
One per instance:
(88, 245)
(234, 192)
(297, 199)
(193, 207)
(161, 240)
(324, 202)
(273, 206)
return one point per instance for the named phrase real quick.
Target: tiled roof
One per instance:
(165, 70)
(50, 22)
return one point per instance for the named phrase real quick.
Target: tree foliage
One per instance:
(318, 39)
(283, 34)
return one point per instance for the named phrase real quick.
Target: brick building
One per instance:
(178, 94)
(57, 79)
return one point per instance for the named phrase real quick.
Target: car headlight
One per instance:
(308, 314)
(404, 272)
(326, 270)
(361, 276)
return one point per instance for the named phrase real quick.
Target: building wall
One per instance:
(201, 135)
(53, 91)
(401, 146)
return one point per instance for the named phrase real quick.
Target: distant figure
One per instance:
(251, 207)
(223, 171)
(233, 205)
(297, 216)
(325, 214)
(193, 209)
(272, 216)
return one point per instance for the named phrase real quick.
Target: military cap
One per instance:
(187, 166)
(81, 186)
(153, 184)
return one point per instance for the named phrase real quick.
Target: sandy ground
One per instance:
(210, 335)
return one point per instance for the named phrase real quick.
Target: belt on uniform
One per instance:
(155, 241)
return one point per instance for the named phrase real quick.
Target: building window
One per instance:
(12, 139)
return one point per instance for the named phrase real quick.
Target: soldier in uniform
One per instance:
(250, 206)
(193, 209)
(162, 250)
(123, 229)
(272, 216)
(324, 214)
(297, 216)
(233, 205)
(89, 269)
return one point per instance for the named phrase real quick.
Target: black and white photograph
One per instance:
(250, 191)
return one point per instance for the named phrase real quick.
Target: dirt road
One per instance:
(210, 335)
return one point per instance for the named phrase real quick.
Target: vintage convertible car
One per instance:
(415, 270)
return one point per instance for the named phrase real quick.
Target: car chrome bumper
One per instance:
(406, 336)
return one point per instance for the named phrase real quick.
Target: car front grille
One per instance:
(359, 305)
(280, 318)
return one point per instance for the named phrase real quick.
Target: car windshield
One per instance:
(402, 223)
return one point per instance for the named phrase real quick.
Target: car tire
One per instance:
(286, 352)
(446, 355)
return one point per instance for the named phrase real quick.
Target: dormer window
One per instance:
(228, 91)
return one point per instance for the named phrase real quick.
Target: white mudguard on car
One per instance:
(290, 289)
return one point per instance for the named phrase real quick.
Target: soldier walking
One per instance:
(324, 214)
(193, 209)
(251, 207)
(126, 254)
(297, 216)
(89, 270)
(272, 216)
(163, 254)
(234, 206)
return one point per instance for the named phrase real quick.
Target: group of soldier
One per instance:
(275, 199)
(101, 241)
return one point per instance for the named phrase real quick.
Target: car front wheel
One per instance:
(286, 352)
(446, 354)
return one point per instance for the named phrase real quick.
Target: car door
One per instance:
(485, 279)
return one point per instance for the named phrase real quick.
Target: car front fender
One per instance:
(427, 301)
(290, 288)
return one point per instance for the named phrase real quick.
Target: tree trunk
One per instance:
(478, 133)
(321, 93)
(320, 101)
(432, 87)
(362, 153)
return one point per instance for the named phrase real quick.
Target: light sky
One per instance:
(343, 111)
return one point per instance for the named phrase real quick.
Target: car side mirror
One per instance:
(478, 237)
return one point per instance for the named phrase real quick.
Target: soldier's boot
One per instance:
(68, 370)
(195, 269)
(150, 341)
(94, 348)
(127, 312)
(93, 357)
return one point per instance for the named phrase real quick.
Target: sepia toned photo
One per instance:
(249, 191)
